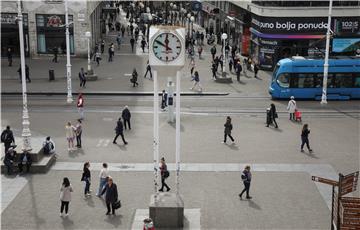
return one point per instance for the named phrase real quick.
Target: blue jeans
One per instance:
(101, 185)
(87, 186)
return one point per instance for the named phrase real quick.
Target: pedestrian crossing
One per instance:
(102, 143)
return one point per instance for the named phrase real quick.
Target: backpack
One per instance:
(6, 136)
(166, 174)
(48, 147)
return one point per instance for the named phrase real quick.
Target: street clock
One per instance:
(167, 46)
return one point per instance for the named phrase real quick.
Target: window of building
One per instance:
(51, 33)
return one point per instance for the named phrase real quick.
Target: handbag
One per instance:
(276, 115)
(117, 204)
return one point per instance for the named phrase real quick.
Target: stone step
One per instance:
(41, 166)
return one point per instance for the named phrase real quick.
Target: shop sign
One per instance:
(54, 21)
(268, 42)
(347, 25)
(9, 19)
(81, 17)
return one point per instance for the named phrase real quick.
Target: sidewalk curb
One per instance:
(112, 93)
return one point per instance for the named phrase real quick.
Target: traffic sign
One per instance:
(325, 181)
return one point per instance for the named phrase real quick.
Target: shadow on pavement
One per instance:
(114, 220)
(67, 223)
(254, 205)
(173, 124)
(38, 220)
(233, 146)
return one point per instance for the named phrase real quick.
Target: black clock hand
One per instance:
(160, 43)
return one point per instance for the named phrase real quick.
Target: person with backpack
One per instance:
(305, 138)
(86, 177)
(292, 108)
(227, 131)
(78, 132)
(164, 175)
(111, 195)
(82, 77)
(7, 137)
(134, 78)
(25, 159)
(246, 178)
(273, 115)
(65, 196)
(196, 80)
(48, 146)
(148, 69)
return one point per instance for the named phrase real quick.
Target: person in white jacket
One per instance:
(65, 196)
(291, 108)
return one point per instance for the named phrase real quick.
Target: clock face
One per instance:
(167, 47)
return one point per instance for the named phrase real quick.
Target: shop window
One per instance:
(41, 43)
(284, 80)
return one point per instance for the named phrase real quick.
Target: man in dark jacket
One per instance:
(126, 115)
(7, 137)
(9, 160)
(246, 178)
(119, 132)
(111, 195)
(148, 69)
(27, 73)
(25, 159)
(256, 70)
(238, 70)
(132, 43)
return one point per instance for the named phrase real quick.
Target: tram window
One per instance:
(318, 80)
(344, 80)
(331, 81)
(303, 80)
(283, 80)
(357, 81)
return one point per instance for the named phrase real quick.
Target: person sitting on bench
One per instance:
(25, 159)
(48, 146)
(9, 160)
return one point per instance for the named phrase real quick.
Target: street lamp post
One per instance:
(68, 65)
(188, 16)
(88, 36)
(26, 134)
(224, 37)
(192, 19)
(326, 61)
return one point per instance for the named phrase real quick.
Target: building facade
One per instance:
(271, 30)
(44, 26)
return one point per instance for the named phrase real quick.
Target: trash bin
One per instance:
(51, 75)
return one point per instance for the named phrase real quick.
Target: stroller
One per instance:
(297, 115)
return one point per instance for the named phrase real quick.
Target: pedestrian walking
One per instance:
(7, 137)
(221, 62)
(245, 66)
(192, 65)
(143, 44)
(238, 70)
(104, 176)
(246, 178)
(9, 56)
(231, 62)
(200, 50)
(65, 196)
(98, 58)
(163, 100)
(292, 108)
(70, 134)
(86, 177)
(273, 115)
(110, 52)
(227, 131)
(111, 195)
(213, 69)
(196, 80)
(213, 51)
(148, 69)
(119, 130)
(27, 73)
(126, 115)
(122, 30)
(134, 78)
(78, 132)
(96, 50)
(305, 138)
(132, 43)
(164, 175)
(102, 46)
(227, 49)
(80, 105)
(25, 159)
(256, 70)
(118, 40)
(56, 51)
(82, 77)
(217, 62)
